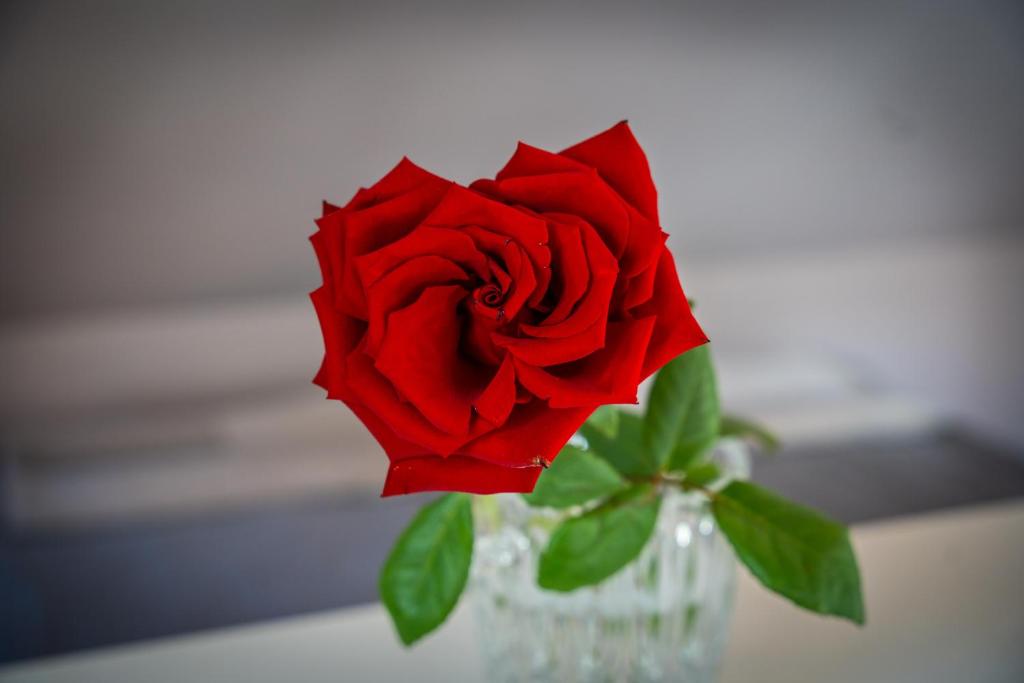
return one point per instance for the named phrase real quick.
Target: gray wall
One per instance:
(176, 152)
(839, 178)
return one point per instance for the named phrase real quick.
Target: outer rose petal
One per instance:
(330, 248)
(621, 161)
(370, 229)
(532, 175)
(528, 160)
(676, 330)
(331, 241)
(646, 241)
(372, 389)
(457, 473)
(341, 334)
(323, 258)
(534, 430)
(639, 289)
(404, 177)
(395, 446)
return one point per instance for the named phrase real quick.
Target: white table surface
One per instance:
(945, 598)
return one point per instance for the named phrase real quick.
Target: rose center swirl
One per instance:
(489, 295)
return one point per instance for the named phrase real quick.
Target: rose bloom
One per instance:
(473, 330)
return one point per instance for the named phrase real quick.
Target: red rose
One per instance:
(474, 330)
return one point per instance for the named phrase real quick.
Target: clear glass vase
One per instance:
(664, 617)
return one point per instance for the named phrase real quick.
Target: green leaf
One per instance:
(624, 449)
(574, 478)
(791, 549)
(605, 419)
(702, 473)
(682, 412)
(732, 425)
(588, 549)
(427, 569)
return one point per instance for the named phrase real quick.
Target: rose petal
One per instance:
(646, 242)
(533, 433)
(462, 207)
(477, 341)
(326, 207)
(401, 287)
(570, 265)
(639, 288)
(370, 229)
(528, 160)
(496, 401)
(610, 375)
(317, 239)
(378, 395)
(420, 355)
(457, 473)
(676, 330)
(502, 278)
(425, 240)
(543, 181)
(520, 269)
(593, 306)
(395, 446)
(621, 161)
(330, 244)
(582, 194)
(330, 248)
(554, 351)
(404, 177)
(341, 334)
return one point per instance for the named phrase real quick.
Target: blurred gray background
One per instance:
(842, 183)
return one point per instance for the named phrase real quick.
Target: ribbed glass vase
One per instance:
(664, 617)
